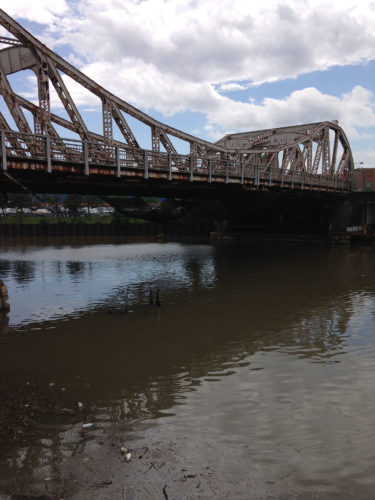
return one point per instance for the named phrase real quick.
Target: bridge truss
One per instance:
(315, 154)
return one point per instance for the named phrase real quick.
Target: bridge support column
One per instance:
(242, 172)
(364, 217)
(221, 225)
(362, 214)
(48, 152)
(209, 170)
(118, 162)
(191, 167)
(145, 165)
(86, 157)
(169, 167)
(4, 164)
(256, 175)
(342, 215)
(371, 214)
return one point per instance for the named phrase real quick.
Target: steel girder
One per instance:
(27, 52)
(312, 148)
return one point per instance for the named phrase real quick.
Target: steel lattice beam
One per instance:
(310, 143)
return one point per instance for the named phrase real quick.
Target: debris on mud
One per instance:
(127, 453)
(88, 425)
(24, 408)
(165, 492)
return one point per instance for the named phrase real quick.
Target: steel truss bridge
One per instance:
(310, 157)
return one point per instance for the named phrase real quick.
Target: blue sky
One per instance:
(210, 68)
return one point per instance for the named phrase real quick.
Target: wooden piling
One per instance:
(4, 306)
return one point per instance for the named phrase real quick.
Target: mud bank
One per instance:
(162, 466)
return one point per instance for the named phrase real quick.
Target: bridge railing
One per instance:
(129, 158)
(65, 149)
(113, 159)
(156, 160)
(24, 145)
(179, 163)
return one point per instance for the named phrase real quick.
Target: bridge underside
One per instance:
(255, 204)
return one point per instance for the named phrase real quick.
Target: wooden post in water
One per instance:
(4, 306)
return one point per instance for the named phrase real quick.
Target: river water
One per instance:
(266, 353)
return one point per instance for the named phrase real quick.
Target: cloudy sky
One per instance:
(210, 67)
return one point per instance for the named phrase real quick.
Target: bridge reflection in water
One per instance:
(240, 342)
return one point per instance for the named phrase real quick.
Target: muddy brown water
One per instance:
(254, 378)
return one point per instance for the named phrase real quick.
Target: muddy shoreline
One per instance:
(162, 466)
(86, 463)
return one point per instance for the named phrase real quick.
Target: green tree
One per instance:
(3, 200)
(92, 200)
(20, 200)
(73, 201)
(53, 199)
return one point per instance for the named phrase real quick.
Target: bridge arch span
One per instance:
(283, 157)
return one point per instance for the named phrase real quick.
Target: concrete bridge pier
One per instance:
(355, 214)
(370, 214)
(346, 216)
(342, 214)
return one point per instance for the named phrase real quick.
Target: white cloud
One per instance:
(224, 41)
(144, 88)
(202, 41)
(354, 111)
(40, 11)
(179, 55)
(172, 56)
(365, 158)
(232, 87)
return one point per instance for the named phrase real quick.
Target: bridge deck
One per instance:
(59, 164)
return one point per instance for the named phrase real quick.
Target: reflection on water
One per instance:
(270, 351)
(60, 282)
